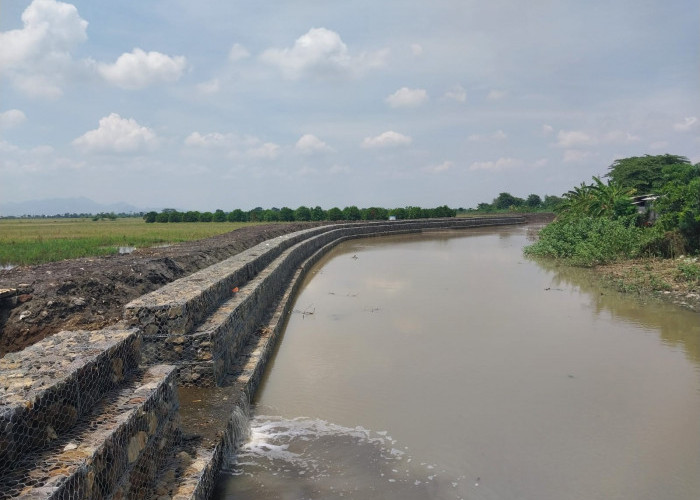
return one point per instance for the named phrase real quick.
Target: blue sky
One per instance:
(228, 104)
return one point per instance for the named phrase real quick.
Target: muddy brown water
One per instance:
(449, 366)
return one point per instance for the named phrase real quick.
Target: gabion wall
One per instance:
(81, 418)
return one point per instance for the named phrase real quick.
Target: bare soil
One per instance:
(90, 293)
(660, 278)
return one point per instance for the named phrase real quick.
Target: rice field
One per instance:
(36, 241)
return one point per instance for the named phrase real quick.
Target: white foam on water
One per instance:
(313, 458)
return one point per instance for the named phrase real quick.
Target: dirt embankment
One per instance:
(90, 293)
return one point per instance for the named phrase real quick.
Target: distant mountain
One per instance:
(56, 206)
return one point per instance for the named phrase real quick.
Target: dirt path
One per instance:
(90, 293)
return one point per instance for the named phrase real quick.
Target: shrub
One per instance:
(588, 241)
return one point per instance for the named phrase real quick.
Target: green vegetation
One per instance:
(35, 241)
(302, 213)
(506, 202)
(598, 223)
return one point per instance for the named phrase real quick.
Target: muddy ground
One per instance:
(90, 293)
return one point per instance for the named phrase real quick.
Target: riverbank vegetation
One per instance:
(640, 226)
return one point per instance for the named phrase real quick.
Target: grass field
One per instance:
(35, 241)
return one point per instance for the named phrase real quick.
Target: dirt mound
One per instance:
(90, 293)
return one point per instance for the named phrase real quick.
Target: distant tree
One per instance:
(237, 215)
(414, 212)
(505, 201)
(256, 215)
(551, 202)
(219, 216)
(286, 214)
(271, 215)
(302, 214)
(485, 207)
(335, 214)
(645, 173)
(175, 216)
(444, 211)
(352, 213)
(400, 213)
(150, 217)
(318, 214)
(533, 201)
(206, 217)
(374, 213)
(191, 216)
(163, 217)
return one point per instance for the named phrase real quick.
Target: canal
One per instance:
(450, 366)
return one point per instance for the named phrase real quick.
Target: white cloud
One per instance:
(213, 139)
(574, 138)
(238, 52)
(547, 130)
(499, 135)
(310, 144)
(50, 27)
(234, 146)
(500, 164)
(139, 69)
(416, 49)
(685, 125)
(456, 93)
(658, 145)
(575, 155)
(618, 137)
(386, 139)
(439, 168)
(321, 53)
(210, 87)
(267, 151)
(118, 135)
(407, 98)
(7, 147)
(577, 138)
(12, 118)
(496, 95)
(37, 56)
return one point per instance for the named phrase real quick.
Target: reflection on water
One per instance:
(509, 379)
(675, 327)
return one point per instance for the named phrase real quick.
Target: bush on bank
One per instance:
(588, 241)
(598, 223)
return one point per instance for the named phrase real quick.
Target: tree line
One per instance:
(302, 213)
(508, 202)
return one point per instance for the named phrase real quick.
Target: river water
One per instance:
(449, 366)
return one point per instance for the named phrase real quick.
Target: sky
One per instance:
(230, 104)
